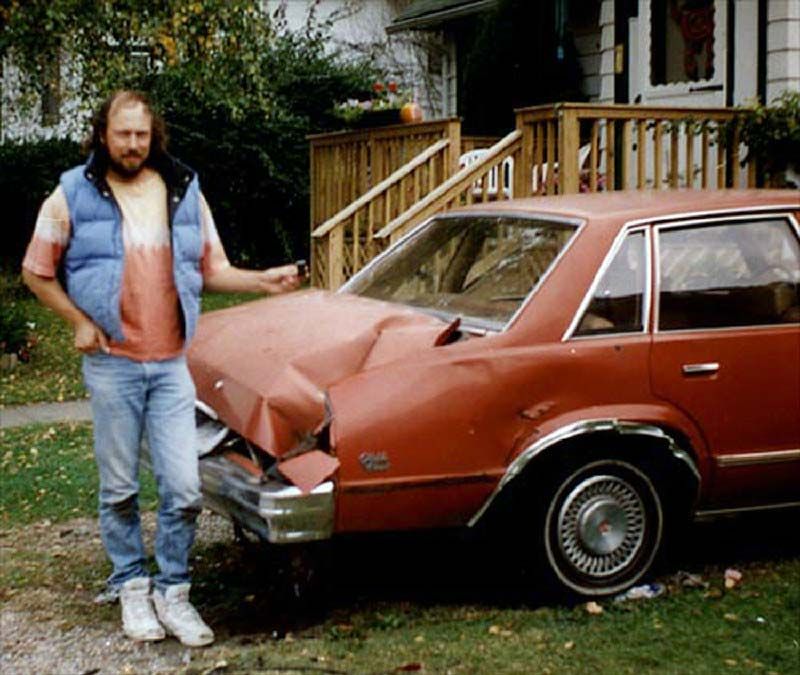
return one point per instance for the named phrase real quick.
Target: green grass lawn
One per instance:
(390, 605)
(54, 371)
(48, 472)
(418, 602)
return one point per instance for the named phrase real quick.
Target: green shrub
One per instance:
(239, 92)
(29, 172)
(772, 135)
(15, 333)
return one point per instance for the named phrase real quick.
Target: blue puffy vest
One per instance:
(94, 258)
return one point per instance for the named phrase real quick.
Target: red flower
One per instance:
(392, 86)
(377, 87)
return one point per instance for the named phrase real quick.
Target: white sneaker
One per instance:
(180, 618)
(138, 618)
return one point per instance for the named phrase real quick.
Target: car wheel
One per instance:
(602, 527)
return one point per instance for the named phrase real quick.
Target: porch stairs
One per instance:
(416, 173)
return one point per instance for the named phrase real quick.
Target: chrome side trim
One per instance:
(715, 213)
(580, 429)
(205, 408)
(278, 513)
(587, 298)
(713, 513)
(752, 458)
(699, 368)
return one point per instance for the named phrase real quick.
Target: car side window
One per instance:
(717, 275)
(618, 301)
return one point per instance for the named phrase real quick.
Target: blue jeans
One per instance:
(130, 399)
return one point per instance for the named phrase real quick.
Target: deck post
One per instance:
(523, 164)
(568, 145)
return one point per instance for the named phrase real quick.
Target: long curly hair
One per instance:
(158, 142)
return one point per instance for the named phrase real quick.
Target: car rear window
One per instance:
(726, 274)
(477, 267)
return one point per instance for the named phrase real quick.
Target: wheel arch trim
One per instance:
(586, 428)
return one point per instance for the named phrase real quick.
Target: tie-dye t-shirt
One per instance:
(149, 307)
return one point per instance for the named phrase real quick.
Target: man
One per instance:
(138, 243)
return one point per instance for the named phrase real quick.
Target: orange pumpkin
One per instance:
(410, 112)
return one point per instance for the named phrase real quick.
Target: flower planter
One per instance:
(377, 118)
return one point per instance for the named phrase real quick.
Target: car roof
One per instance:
(642, 204)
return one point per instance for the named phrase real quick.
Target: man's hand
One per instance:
(89, 338)
(236, 280)
(278, 279)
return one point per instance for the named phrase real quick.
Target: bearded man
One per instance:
(138, 243)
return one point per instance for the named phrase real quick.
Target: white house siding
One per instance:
(358, 27)
(607, 52)
(588, 47)
(20, 121)
(783, 47)
(745, 50)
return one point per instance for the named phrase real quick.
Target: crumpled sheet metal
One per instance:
(264, 366)
(308, 470)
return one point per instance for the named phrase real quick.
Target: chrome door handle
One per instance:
(700, 368)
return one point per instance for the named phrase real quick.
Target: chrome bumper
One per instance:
(278, 513)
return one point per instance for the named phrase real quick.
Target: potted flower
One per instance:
(772, 136)
(388, 105)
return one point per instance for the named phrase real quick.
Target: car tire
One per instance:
(601, 528)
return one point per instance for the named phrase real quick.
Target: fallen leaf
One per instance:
(593, 608)
(730, 617)
(730, 662)
(569, 645)
(733, 578)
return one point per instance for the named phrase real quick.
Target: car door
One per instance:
(726, 348)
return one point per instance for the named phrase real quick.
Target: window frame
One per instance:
(721, 219)
(669, 89)
(577, 223)
(628, 229)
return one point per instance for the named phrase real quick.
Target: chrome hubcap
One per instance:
(601, 525)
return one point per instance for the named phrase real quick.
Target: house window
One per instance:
(682, 34)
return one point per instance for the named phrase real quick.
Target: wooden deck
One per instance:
(370, 187)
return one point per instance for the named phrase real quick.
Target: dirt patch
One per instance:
(49, 622)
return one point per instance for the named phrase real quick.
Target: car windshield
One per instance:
(477, 267)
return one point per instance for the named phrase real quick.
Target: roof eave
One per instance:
(434, 19)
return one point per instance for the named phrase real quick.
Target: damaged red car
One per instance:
(584, 371)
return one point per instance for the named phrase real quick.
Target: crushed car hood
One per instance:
(264, 366)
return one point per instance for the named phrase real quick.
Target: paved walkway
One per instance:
(68, 411)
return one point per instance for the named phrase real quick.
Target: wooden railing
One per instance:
(477, 142)
(370, 187)
(468, 186)
(346, 164)
(345, 242)
(627, 147)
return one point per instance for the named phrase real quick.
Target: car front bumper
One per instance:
(276, 512)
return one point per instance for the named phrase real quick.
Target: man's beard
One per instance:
(124, 171)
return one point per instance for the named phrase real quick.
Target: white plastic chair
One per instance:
(583, 154)
(507, 167)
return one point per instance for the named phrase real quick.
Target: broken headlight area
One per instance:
(306, 465)
(282, 500)
(210, 431)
